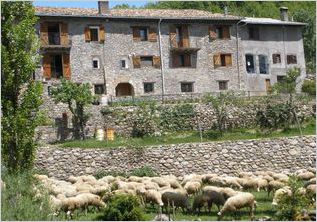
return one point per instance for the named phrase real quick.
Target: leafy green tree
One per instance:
(20, 95)
(77, 97)
(221, 105)
(309, 87)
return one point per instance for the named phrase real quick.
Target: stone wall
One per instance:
(122, 119)
(229, 157)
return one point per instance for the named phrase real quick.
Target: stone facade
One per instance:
(230, 157)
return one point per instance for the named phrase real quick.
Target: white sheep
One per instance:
(240, 200)
(192, 187)
(152, 196)
(274, 185)
(279, 193)
(192, 178)
(160, 181)
(306, 175)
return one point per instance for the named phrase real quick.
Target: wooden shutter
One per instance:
(212, 32)
(136, 62)
(64, 33)
(187, 60)
(173, 36)
(217, 61)
(136, 34)
(175, 60)
(157, 61)
(66, 67)
(44, 33)
(46, 66)
(185, 36)
(87, 34)
(152, 34)
(102, 33)
(228, 60)
(226, 32)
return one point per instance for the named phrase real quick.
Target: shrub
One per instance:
(290, 207)
(18, 200)
(123, 208)
(101, 173)
(144, 171)
(309, 87)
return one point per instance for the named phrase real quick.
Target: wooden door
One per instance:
(267, 84)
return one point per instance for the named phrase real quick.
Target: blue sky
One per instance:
(86, 4)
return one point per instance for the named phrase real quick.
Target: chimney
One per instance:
(103, 7)
(283, 13)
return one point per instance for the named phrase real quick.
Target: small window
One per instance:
(249, 59)
(223, 85)
(223, 32)
(280, 79)
(95, 63)
(94, 33)
(146, 61)
(291, 59)
(49, 90)
(123, 64)
(263, 64)
(143, 34)
(276, 58)
(187, 87)
(99, 89)
(148, 87)
(254, 33)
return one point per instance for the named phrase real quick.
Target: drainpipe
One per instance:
(161, 58)
(104, 69)
(237, 43)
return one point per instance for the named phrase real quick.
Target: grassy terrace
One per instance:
(190, 136)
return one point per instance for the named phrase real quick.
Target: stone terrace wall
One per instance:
(122, 118)
(227, 157)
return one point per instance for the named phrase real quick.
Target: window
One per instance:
(143, 34)
(146, 61)
(123, 64)
(222, 60)
(291, 59)
(254, 33)
(53, 34)
(179, 34)
(223, 32)
(187, 87)
(181, 60)
(249, 59)
(56, 66)
(99, 89)
(276, 58)
(263, 64)
(95, 63)
(223, 85)
(280, 79)
(94, 33)
(49, 90)
(148, 87)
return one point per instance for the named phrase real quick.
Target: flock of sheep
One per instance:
(228, 193)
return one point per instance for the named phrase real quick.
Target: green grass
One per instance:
(264, 208)
(189, 137)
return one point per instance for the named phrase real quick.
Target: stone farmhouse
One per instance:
(144, 52)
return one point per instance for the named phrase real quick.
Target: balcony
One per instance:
(193, 46)
(54, 45)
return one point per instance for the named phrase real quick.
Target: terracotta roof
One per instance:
(134, 13)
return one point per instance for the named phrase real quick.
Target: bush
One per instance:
(290, 207)
(101, 173)
(144, 171)
(123, 208)
(18, 201)
(309, 87)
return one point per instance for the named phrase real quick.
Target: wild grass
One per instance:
(308, 128)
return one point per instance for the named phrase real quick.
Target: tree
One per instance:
(221, 106)
(76, 96)
(20, 95)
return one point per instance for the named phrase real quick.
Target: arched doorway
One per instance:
(124, 89)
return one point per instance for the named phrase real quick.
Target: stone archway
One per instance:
(124, 89)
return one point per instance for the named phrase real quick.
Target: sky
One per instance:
(86, 4)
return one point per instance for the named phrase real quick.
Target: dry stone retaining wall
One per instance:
(228, 157)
